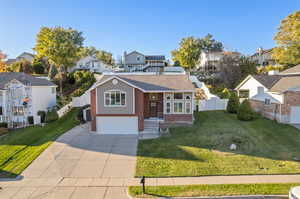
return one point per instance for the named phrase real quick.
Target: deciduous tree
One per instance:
(2, 62)
(61, 47)
(102, 55)
(287, 38)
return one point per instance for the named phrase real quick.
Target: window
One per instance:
(1, 110)
(169, 96)
(267, 101)
(178, 96)
(115, 98)
(53, 90)
(138, 58)
(188, 107)
(18, 110)
(188, 97)
(168, 107)
(178, 107)
(244, 93)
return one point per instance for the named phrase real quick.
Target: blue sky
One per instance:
(151, 27)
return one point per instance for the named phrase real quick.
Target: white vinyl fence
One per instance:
(212, 104)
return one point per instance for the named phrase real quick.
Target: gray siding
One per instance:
(132, 59)
(128, 109)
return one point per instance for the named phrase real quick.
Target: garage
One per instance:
(295, 115)
(117, 125)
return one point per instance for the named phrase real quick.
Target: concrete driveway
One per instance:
(79, 164)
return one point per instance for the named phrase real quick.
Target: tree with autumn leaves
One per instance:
(2, 62)
(287, 51)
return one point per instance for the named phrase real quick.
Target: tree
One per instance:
(38, 66)
(247, 67)
(233, 103)
(102, 55)
(61, 47)
(21, 66)
(2, 62)
(190, 48)
(245, 112)
(287, 38)
(230, 71)
(176, 63)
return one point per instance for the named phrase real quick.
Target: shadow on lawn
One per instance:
(215, 131)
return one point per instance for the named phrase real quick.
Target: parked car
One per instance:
(294, 193)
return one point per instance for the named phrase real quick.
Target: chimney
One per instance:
(260, 90)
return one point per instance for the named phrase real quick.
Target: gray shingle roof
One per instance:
(293, 70)
(157, 82)
(267, 80)
(24, 78)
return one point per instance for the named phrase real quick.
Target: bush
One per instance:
(38, 68)
(3, 131)
(30, 120)
(42, 115)
(233, 103)
(245, 112)
(3, 125)
(51, 116)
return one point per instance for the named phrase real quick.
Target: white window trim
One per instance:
(183, 107)
(121, 92)
(171, 110)
(190, 106)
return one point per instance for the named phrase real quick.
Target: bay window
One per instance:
(178, 103)
(114, 98)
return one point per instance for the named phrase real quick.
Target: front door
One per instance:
(153, 109)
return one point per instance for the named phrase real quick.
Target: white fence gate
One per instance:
(212, 104)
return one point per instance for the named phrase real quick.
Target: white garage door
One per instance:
(295, 115)
(117, 125)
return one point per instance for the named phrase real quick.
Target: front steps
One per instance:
(151, 129)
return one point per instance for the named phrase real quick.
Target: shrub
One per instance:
(245, 113)
(30, 120)
(51, 116)
(38, 67)
(225, 94)
(233, 103)
(3, 131)
(42, 115)
(3, 125)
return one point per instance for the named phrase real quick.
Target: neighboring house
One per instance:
(24, 56)
(209, 62)
(263, 58)
(92, 64)
(22, 96)
(276, 97)
(136, 61)
(122, 103)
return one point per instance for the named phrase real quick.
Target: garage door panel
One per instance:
(295, 115)
(117, 125)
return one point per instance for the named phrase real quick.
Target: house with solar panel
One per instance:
(138, 62)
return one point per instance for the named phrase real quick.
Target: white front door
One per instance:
(295, 115)
(117, 125)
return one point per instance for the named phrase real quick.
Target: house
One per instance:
(22, 96)
(122, 103)
(209, 62)
(136, 61)
(92, 64)
(24, 56)
(263, 57)
(274, 96)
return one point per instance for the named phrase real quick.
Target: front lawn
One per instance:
(212, 190)
(263, 147)
(20, 147)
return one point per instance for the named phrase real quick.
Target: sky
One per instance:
(150, 27)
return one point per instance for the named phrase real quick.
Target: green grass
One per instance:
(212, 190)
(20, 147)
(264, 147)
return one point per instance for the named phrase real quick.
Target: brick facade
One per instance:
(276, 111)
(178, 117)
(139, 108)
(93, 110)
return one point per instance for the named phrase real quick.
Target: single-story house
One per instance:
(274, 96)
(120, 104)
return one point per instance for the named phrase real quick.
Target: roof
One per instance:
(293, 70)
(24, 78)
(263, 51)
(155, 57)
(149, 83)
(286, 83)
(267, 80)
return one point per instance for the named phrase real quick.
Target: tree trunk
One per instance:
(61, 81)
